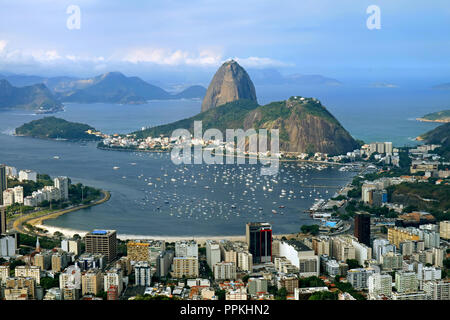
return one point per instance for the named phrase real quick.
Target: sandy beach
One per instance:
(200, 239)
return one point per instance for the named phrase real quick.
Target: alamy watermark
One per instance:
(374, 20)
(74, 20)
(210, 147)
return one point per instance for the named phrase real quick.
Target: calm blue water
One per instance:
(152, 196)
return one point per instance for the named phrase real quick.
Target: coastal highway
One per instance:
(34, 218)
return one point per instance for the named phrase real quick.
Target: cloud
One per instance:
(3, 44)
(172, 57)
(258, 62)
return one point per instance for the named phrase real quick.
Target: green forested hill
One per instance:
(56, 128)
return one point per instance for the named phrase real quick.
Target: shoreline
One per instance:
(200, 239)
(236, 156)
(428, 120)
(37, 221)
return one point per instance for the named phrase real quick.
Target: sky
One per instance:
(184, 41)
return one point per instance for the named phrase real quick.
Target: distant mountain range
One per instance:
(35, 97)
(274, 77)
(111, 87)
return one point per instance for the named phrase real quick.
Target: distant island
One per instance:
(440, 116)
(35, 97)
(56, 128)
(443, 86)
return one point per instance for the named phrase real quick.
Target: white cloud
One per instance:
(258, 62)
(172, 57)
(3, 44)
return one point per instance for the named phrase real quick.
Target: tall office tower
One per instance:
(3, 182)
(362, 228)
(2, 220)
(62, 183)
(259, 241)
(103, 242)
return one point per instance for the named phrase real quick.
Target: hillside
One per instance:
(305, 125)
(439, 135)
(35, 97)
(440, 116)
(56, 128)
(229, 115)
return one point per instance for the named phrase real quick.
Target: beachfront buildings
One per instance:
(259, 241)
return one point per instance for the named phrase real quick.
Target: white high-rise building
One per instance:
(245, 261)
(62, 184)
(186, 249)
(380, 284)
(71, 277)
(8, 197)
(18, 194)
(113, 277)
(358, 278)
(27, 175)
(212, 253)
(8, 246)
(224, 271)
(382, 247)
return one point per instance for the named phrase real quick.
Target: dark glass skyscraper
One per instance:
(3, 184)
(362, 228)
(259, 241)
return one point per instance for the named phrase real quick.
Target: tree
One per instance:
(353, 264)
(311, 229)
(220, 294)
(49, 282)
(324, 295)
(281, 294)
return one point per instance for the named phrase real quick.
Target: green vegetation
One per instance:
(324, 295)
(48, 282)
(287, 116)
(353, 264)
(439, 135)
(310, 282)
(347, 287)
(54, 128)
(45, 242)
(78, 193)
(30, 186)
(423, 196)
(220, 294)
(223, 117)
(440, 115)
(311, 229)
(279, 294)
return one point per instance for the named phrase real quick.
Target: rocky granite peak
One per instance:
(230, 83)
